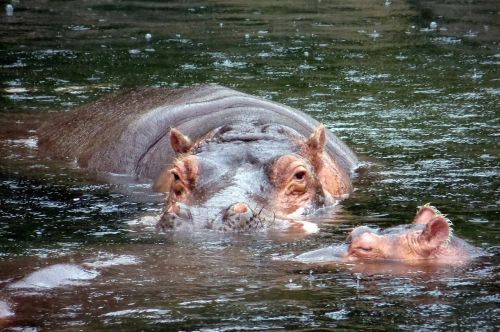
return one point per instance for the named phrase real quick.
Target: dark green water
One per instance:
(420, 106)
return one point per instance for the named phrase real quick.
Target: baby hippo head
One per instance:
(426, 238)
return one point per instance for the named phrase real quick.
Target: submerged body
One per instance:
(427, 239)
(222, 157)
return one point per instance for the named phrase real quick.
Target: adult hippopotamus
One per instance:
(223, 158)
(429, 238)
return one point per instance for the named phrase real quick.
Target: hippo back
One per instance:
(128, 132)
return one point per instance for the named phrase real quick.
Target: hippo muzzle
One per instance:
(238, 217)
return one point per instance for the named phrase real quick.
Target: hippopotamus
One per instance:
(429, 238)
(223, 158)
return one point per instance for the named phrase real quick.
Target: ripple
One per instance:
(230, 64)
(50, 53)
(139, 313)
(31, 142)
(447, 40)
(358, 77)
(78, 28)
(338, 315)
(189, 66)
(109, 260)
(428, 91)
(18, 64)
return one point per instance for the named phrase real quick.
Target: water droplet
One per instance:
(375, 34)
(9, 10)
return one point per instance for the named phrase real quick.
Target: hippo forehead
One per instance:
(402, 229)
(388, 232)
(247, 146)
(234, 160)
(253, 136)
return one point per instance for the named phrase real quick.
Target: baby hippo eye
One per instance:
(365, 248)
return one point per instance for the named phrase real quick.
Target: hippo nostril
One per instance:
(239, 216)
(240, 208)
(182, 211)
(175, 214)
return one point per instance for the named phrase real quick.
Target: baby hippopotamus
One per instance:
(428, 238)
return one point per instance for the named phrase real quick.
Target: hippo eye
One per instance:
(300, 175)
(176, 176)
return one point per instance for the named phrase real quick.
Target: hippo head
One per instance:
(427, 237)
(243, 176)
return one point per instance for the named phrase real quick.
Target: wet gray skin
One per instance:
(128, 132)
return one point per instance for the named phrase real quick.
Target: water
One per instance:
(417, 101)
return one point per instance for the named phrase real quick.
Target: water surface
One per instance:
(412, 86)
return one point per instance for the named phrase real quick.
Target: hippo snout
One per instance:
(240, 217)
(237, 217)
(358, 231)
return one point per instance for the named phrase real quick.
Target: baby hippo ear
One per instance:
(436, 233)
(179, 142)
(425, 214)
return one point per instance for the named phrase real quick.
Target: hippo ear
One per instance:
(316, 142)
(425, 214)
(436, 232)
(179, 142)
